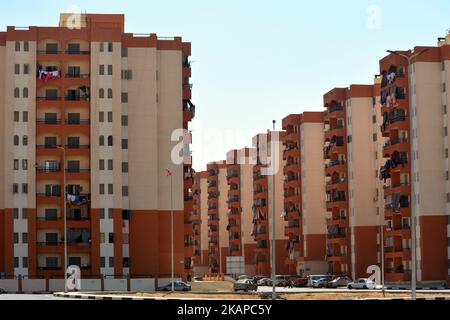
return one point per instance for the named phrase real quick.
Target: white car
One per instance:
(362, 283)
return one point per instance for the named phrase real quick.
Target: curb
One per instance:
(97, 297)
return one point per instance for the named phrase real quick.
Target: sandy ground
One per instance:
(291, 296)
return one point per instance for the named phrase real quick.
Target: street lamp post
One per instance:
(410, 58)
(172, 258)
(65, 217)
(274, 294)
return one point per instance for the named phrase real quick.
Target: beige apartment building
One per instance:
(304, 184)
(414, 100)
(352, 185)
(240, 203)
(87, 114)
(267, 175)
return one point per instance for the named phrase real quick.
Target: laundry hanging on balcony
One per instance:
(49, 75)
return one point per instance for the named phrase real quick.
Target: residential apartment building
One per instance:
(240, 203)
(304, 185)
(414, 101)
(217, 189)
(87, 114)
(351, 180)
(200, 221)
(269, 154)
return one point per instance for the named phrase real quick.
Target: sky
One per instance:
(254, 61)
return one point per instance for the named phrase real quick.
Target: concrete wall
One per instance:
(143, 285)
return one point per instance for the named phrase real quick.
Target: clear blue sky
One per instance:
(257, 60)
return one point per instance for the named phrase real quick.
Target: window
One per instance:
(101, 93)
(126, 215)
(110, 70)
(101, 116)
(375, 138)
(24, 213)
(102, 237)
(444, 87)
(124, 52)
(16, 93)
(25, 140)
(15, 188)
(102, 47)
(16, 140)
(111, 237)
(101, 164)
(124, 120)
(110, 188)
(24, 237)
(16, 213)
(101, 69)
(110, 164)
(24, 164)
(349, 139)
(101, 189)
(125, 167)
(111, 262)
(26, 69)
(110, 47)
(51, 214)
(73, 166)
(124, 97)
(110, 117)
(16, 262)
(446, 153)
(73, 142)
(25, 262)
(445, 131)
(124, 191)
(124, 143)
(25, 92)
(73, 118)
(110, 93)
(16, 237)
(125, 238)
(126, 262)
(51, 262)
(102, 262)
(16, 164)
(17, 46)
(17, 68)
(111, 213)
(101, 140)
(444, 107)
(26, 46)
(25, 116)
(110, 141)
(16, 116)
(25, 188)
(127, 74)
(374, 119)
(102, 213)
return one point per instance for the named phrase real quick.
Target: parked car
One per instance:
(2, 291)
(264, 282)
(245, 285)
(312, 278)
(339, 282)
(299, 282)
(362, 283)
(178, 286)
(320, 281)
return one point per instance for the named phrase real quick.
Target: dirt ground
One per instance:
(290, 296)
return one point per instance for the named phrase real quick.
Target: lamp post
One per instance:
(65, 217)
(409, 58)
(274, 293)
(172, 259)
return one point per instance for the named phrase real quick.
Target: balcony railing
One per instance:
(77, 146)
(336, 108)
(77, 121)
(76, 98)
(50, 243)
(48, 194)
(48, 121)
(48, 170)
(336, 236)
(77, 75)
(48, 98)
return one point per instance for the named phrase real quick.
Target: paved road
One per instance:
(30, 297)
(309, 290)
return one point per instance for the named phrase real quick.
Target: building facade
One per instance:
(304, 184)
(87, 118)
(414, 100)
(351, 180)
